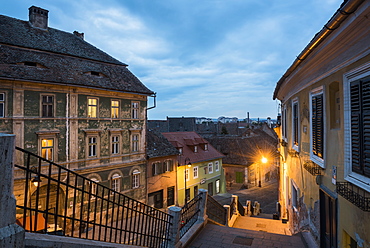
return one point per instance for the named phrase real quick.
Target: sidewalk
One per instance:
(214, 236)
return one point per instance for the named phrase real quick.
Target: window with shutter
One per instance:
(317, 125)
(360, 126)
(295, 125)
(356, 126)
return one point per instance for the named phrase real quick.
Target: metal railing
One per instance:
(69, 204)
(189, 214)
(216, 211)
(241, 208)
(354, 194)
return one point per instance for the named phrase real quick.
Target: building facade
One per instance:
(199, 166)
(161, 171)
(72, 104)
(325, 179)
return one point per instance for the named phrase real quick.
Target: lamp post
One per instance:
(187, 163)
(264, 161)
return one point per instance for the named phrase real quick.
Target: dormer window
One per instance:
(95, 74)
(195, 148)
(32, 64)
(180, 150)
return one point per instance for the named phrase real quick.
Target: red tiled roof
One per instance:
(187, 139)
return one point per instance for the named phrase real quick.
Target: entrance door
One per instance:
(210, 188)
(156, 199)
(328, 220)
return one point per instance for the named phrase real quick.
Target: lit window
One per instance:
(115, 144)
(47, 147)
(92, 107)
(210, 168)
(92, 146)
(135, 110)
(195, 172)
(217, 166)
(115, 108)
(2, 104)
(195, 148)
(135, 142)
(116, 182)
(47, 106)
(136, 179)
(217, 186)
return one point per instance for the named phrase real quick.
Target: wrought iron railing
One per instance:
(189, 214)
(312, 168)
(216, 211)
(354, 194)
(69, 204)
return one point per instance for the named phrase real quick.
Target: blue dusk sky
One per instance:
(203, 58)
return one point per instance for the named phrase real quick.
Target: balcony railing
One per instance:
(355, 195)
(63, 202)
(312, 168)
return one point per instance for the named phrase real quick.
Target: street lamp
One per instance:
(188, 164)
(264, 161)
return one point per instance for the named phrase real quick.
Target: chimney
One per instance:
(79, 35)
(38, 17)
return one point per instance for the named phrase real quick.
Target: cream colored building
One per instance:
(325, 132)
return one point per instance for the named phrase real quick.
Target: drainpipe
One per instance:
(347, 8)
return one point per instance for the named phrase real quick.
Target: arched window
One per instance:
(116, 185)
(135, 179)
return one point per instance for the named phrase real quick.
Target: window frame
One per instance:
(2, 105)
(168, 165)
(42, 135)
(217, 166)
(295, 125)
(91, 106)
(210, 168)
(115, 145)
(135, 142)
(316, 159)
(187, 175)
(135, 107)
(284, 123)
(195, 172)
(47, 148)
(115, 182)
(356, 74)
(114, 109)
(52, 104)
(135, 178)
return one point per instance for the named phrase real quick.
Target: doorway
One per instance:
(328, 220)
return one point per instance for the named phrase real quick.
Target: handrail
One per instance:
(216, 211)
(189, 214)
(72, 205)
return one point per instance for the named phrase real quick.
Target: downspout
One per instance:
(154, 95)
(347, 8)
(67, 130)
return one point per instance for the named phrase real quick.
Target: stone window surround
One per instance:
(89, 133)
(295, 102)
(53, 103)
(51, 134)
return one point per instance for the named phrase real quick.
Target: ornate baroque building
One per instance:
(72, 103)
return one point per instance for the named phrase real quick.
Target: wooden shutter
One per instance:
(360, 126)
(318, 125)
(366, 126)
(295, 121)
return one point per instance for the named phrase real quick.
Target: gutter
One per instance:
(347, 8)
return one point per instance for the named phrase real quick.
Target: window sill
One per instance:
(359, 180)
